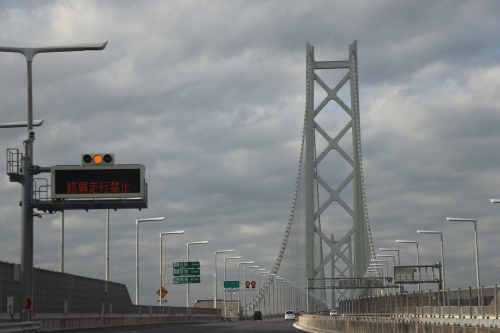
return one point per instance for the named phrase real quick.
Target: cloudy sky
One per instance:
(210, 95)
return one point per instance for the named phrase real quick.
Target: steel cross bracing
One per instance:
(359, 233)
(360, 230)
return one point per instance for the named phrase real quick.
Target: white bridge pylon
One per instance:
(350, 253)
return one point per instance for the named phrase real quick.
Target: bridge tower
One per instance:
(349, 250)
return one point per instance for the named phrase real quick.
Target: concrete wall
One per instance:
(312, 323)
(53, 322)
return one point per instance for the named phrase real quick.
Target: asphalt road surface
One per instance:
(267, 326)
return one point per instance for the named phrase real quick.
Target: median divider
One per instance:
(57, 322)
(359, 324)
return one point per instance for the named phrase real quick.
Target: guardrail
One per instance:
(20, 327)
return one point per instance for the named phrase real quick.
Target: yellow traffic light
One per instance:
(98, 159)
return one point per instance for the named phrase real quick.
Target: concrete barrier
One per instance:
(57, 322)
(312, 323)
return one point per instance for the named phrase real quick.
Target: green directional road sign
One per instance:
(187, 264)
(186, 279)
(182, 271)
(231, 284)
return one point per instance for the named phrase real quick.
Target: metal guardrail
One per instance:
(29, 326)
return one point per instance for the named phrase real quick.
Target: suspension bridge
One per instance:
(328, 232)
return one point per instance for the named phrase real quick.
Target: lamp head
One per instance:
(430, 232)
(406, 241)
(171, 232)
(454, 219)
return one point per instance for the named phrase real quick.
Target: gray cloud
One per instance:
(210, 95)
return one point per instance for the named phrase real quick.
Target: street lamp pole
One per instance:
(418, 258)
(215, 274)
(245, 278)
(228, 258)
(393, 263)
(253, 291)
(187, 285)
(137, 253)
(239, 279)
(440, 233)
(394, 250)
(452, 219)
(161, 258)
(26, 276)
(258, 274)
(277, 279)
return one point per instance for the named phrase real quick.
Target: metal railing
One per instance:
(461, 302)
(20, 327)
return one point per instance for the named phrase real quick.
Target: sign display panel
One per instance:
(186, 271)
(187, 264)
(106, 181)
(231, 284)
(403, 273)
(186, 279)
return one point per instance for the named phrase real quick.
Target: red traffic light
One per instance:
(247, 284)
(253, 284)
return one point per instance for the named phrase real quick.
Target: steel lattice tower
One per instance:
(355, 248)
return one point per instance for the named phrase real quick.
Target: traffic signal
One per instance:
(253, 284)
(98, 159)
(247, 284)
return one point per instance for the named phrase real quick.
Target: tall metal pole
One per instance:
(26, 276)
(187, 285)
(107, 251)
(442, 260)
(215, 274)
(161, 259)
(239, 279)
(453, 219)
(137, 253)
(238, 257)
(477, 255)
(62, 242)
(136, 262)
(161, 268)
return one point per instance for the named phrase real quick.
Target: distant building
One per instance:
(231, 306)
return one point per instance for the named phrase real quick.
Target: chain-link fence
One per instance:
(463, 302)
(56, 292)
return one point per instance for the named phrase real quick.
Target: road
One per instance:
(268, 326)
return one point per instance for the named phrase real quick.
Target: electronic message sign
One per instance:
(103, 181)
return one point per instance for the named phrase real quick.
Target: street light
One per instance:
(26, 277)
(137, 253)
(245, 278)
(239, 279)
(62, 237)
(187, 285)
(440, 233)
(393, 263)
(258, 274)
(253, 291)
(452, 219)
(228, 258)
(395, 250)
(386, 268)
(161, 256)
(277, 279)
(418, 258)
(215, 274)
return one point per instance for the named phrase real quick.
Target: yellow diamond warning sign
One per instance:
(164, 292)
